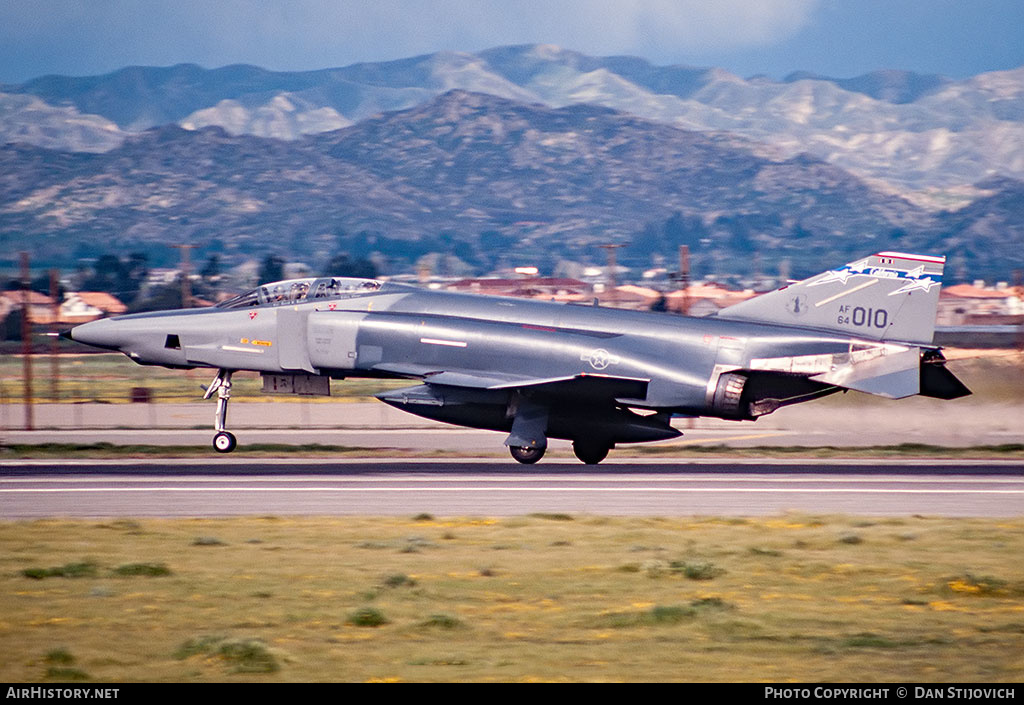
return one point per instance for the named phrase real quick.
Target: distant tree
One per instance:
(42, 284)
(158, 298)
(211, 270)
(11, 325)
(135, 272)
(272, 269)
(120, 278)
(342, 265)
(107, 275)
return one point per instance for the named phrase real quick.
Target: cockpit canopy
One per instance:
(291, 291)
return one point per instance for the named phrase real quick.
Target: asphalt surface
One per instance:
(236, 486)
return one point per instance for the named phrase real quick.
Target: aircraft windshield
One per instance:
(293, 291)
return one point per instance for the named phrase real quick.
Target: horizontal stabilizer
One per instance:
(893, 376)
(888, 296)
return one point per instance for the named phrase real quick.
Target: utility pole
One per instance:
(610, 279)
(186, 285)
(684, 278)
(684, 284)
(54, 362)
(1018, 285)
(26, 340)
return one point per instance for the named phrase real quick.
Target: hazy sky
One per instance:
(839, 38)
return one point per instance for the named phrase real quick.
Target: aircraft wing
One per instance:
(453, 378)
(584, 386)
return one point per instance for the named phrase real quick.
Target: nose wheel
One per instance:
(526, 456)
(224, 441)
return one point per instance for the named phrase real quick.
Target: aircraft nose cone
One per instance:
(101, 334)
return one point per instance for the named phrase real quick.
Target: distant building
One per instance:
(77, 307)
(977, 304)
(631, 296)
(161, 277)
(40, 306)
(547, 288)
(705, 299)
(84, 306)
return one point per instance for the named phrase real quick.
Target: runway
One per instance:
(235, 487)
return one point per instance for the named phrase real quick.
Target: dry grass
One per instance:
(993, 375)
(111, 377)
(529, 598)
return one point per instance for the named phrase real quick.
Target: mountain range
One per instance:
(515, 153)
(910, 131)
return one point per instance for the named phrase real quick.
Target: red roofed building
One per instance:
(40, 306)
(84, 306)
(546, 288)
(974, 304)
(705, 299)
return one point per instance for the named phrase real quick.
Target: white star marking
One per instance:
(925, 284)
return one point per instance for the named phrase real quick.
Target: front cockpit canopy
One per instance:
(292, 291)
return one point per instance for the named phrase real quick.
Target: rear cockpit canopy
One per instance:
(293, 291)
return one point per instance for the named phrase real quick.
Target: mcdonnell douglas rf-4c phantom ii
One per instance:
(538, 370)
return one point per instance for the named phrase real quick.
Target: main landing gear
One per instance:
(590, 452)
(224, 441)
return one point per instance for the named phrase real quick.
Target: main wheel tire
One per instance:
(590, 453)
(224, 442)
(526, 456)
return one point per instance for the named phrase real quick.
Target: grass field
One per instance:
(544, 597)
(111, 378)
(993, 376)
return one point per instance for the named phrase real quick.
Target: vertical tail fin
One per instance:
(886, 296)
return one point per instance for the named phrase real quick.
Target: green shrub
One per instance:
(367, 617)
(696, 571)
(66, 674)
(207, 541)
(443, 621)
(659, 615)
(61, 656)
(83, 569)
(243, 655)
(202, 645)
(248, 656)
(398, 580)
(153, 570)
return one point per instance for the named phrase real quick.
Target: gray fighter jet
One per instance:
(538, 370)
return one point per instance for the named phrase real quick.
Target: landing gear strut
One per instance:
(224, 441)
(526, 456)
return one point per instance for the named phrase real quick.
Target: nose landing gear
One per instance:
(526, 456)
(224, 441)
